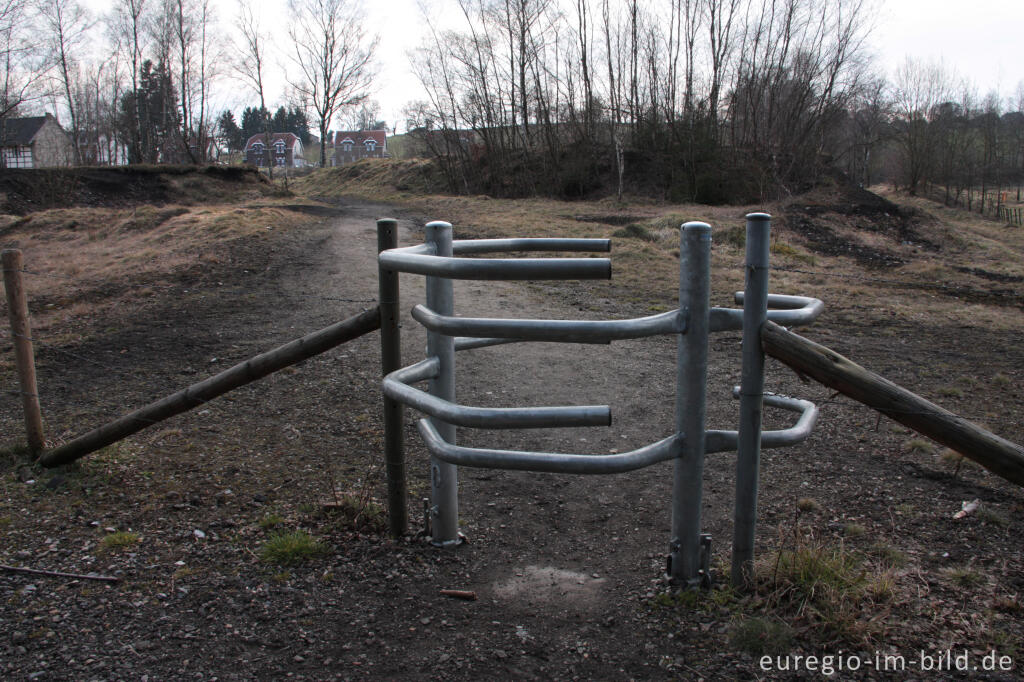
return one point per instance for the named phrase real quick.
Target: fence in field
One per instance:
(438, 259)
(1012, 215)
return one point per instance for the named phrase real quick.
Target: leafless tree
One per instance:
(129, 27)
(22, 65)
(189, 22)
(68, 25)
(918, 89)
(334, 57)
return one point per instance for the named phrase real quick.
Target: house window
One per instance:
(370, 145)
(279, 146)
(346, 146)
(17, 157)
(280, 160)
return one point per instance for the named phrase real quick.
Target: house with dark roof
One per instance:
(34, 142)
(285, 149)
(352, 145)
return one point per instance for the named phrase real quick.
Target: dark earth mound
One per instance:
(25, 190)
(813, 215)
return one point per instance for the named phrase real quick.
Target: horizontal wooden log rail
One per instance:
(197, 394)
(827, 367)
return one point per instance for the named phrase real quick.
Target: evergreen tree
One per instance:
(158, 120)
(254, 122)
(230, 133)
(281, 124)
(299, 124)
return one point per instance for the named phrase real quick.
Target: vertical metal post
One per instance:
(748, 460)
(21, 330)
(391, 360)
(691, 381)
(444, 484)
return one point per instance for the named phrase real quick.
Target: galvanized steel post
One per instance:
(755, 312)
(691, 380)
(444, 513)
(391, 360)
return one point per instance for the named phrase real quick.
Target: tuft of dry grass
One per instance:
(827, 588)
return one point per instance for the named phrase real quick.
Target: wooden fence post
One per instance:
(21, 331)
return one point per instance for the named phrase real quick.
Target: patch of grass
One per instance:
(291, 547)
(889, 555)
(963, 577)
(358, 511)
(1000, 380)
(807, 505)
(784, 249)
(826, 587)
(119, 540)
(270, 521)
(919, 446)
(954, 459)
(951, 392)
(854, 530)
(761, 636)
(735, 235)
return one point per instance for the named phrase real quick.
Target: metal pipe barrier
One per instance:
(689, 550)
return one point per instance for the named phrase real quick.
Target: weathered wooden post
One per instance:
(391, 360)
(21, 331)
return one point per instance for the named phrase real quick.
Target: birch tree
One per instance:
(333, 55)
(67, 25)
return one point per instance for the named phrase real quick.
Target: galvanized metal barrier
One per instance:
(692, 322)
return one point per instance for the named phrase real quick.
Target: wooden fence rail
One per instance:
(827, 367)
(197, 394)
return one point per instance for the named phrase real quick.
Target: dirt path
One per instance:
(567, 568)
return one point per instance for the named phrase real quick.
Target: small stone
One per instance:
(200, 535)
(19, 637)
(298, 659)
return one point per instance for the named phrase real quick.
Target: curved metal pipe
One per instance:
(667, 448)
(419, 260)
(728, 441)
(396, 387)
(579, 331)
(467, 246)
(791, 311)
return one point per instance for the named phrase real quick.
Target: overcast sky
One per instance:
(981, 39)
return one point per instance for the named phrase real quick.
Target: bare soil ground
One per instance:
(861, 554)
